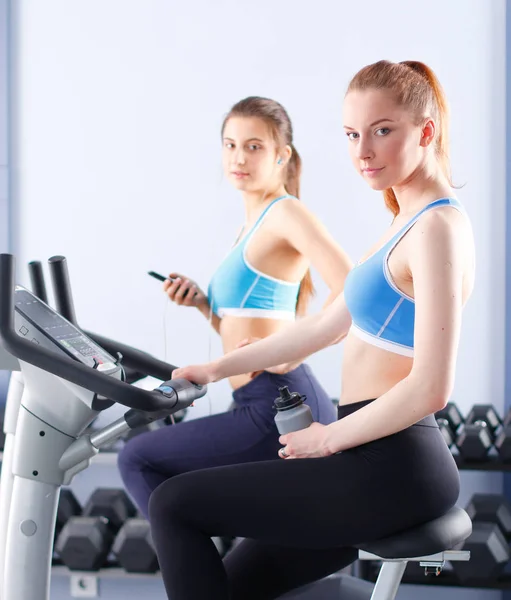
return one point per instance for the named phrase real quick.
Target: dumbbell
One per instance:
(449, 420)
(477, 435)
(133, 547)
(503, 440)
(489, 542)
(68, 507)
(85, 541)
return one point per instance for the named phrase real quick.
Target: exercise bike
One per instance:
(68, 380)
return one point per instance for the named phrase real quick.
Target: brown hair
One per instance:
(416, 87)
(276, 117)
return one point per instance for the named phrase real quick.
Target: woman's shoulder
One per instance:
(290, 208)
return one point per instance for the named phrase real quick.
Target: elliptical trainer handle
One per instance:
(6, 293)
(35, 270)
(75, 372)
(135, 359)
(62, 288)
(131, 357)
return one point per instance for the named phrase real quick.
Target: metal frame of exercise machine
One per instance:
(135, 363)
(68, 379)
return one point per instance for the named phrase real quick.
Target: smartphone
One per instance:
(158, 276)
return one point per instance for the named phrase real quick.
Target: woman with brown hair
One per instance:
(262, 285)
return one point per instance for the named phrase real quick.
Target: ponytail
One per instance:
(442, 106)
(305, 294)
(292, 183)
(391, 201)
(293, 173)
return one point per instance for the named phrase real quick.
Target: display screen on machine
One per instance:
(55, 327)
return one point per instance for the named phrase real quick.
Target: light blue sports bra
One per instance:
(382, 315)
(238, 289)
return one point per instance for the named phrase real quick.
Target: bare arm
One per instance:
(437, 266)
(305, 232)
(185, 292)
(302, 338)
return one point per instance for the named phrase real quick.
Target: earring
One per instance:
(279, 162)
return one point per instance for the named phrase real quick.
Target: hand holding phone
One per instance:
(178, 290)
(159, 277)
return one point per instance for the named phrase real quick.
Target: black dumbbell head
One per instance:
(507, 419)
(474, 441)
(489, 554)
(503, 443)
(493, 508)
(134, 549)
(446, 431)
(68, 507)
(112, 503)
(452, 415)
(84, 543)
(486, 413)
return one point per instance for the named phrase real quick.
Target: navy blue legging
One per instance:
(245, 434)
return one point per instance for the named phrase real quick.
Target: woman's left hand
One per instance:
(306, 443)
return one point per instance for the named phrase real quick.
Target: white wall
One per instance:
(118, 163)
(117, 155)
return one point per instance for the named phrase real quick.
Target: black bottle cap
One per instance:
(288, 400)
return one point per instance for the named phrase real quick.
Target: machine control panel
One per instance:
(39, 323)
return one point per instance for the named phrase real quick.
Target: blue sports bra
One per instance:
(382, 315)
(238, 289)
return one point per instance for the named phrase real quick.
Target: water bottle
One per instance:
(292, 412)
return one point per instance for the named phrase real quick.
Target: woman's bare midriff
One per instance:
(233, 330)
(368, 371)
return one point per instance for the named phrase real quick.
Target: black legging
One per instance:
(301, 517)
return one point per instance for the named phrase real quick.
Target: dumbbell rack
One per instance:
(492, 463)
(369, 570)
(86, 584)
(366, 569)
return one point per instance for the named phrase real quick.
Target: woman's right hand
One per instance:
(185, 292)
(199, 374)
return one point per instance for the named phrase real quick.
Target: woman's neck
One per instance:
(255, 202)
(425, 185)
